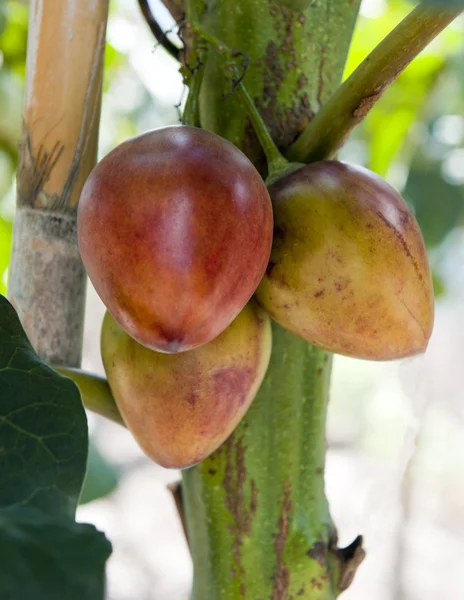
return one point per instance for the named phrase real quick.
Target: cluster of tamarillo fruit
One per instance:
(192, 254)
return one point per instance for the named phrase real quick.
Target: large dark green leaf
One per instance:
(44, 558)
(44, 554)
(43, 429)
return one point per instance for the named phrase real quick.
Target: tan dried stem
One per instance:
(66, 43)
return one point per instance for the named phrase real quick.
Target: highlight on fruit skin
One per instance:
(348, 269)
(175, 231)
(181, 407)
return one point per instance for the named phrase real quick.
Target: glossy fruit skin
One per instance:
(348, 269)
(181, 407)
(175, 231)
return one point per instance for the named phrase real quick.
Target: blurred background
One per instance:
(395, 466)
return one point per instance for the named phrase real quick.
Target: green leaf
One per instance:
(44, 554)
(43, 429)
(101, 478)
(44, 558)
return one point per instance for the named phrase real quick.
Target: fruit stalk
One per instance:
(276, 163)
(95, 393)
(256, 513)
(58, 149)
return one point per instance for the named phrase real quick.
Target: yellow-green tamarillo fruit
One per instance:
(181, 407)
(348, 270)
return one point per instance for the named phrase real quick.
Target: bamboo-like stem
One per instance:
(95, 392)
(66, 43)
(348, 106)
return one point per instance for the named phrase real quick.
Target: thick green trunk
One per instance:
(257, 517)
(258, 521)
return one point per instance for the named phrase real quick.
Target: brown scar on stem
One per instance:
(254, 497)
(320, 85)
(234, 484)
(318, 585)
(318, 552)
(367, 103)
(282, 576)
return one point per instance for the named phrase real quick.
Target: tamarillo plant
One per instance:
(255, 511)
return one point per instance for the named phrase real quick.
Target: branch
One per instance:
(58, 150)
(352, 101)
(95, 393)
(156, 30)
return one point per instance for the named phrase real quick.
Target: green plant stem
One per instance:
(95, 392)
(191, 116)
(279, 489)
(277, 164)
(257, 517)
(57, 151)
(351, 102)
